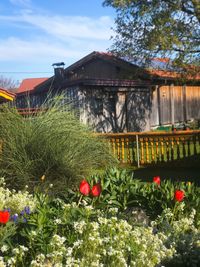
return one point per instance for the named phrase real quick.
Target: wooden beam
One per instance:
(6, 96)
(172, 103)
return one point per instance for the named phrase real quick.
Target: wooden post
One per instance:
(159, 109)
(172, 103)
(184, 103)
(138, 152)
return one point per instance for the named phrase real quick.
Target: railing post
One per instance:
(138, 151)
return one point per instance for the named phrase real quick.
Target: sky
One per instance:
(34, 34)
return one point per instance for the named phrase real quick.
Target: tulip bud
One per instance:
(4, 216)
(96, 190)
(179, 195)
(156, 180)
(84, 188)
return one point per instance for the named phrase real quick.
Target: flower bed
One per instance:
(99, 225)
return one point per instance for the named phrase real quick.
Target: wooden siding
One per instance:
(193, 102)
(138, 110)
(172, 104)
(100, 69)
(121, 109)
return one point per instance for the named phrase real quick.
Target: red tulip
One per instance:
(4, 216)
(156, 180)
(84, 188)
(179, 195)
(96, 190)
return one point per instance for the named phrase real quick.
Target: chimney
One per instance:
(59, 70)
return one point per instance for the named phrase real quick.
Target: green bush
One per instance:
(53, 145)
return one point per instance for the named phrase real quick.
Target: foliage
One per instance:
(51, 145)
(183, 234)
(121, 190)
(157, 28)
(64, 234)
(57, 233)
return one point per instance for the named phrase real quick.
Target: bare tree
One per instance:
(8, 83)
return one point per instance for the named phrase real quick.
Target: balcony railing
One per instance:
(154, 147)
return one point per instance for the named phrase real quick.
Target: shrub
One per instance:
(53, 145)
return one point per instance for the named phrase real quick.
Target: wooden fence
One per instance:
(154, 147)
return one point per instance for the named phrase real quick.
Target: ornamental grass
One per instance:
(50, 147)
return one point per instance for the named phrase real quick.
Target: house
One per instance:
(6, 96)
(25, 89)
(114, 95)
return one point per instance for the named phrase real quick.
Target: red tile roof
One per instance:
(29, 84)
(173, 74)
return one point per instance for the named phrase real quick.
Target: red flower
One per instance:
(84, 188)
(96, 190)
(156, 180)
(179, 195)
(4, 216)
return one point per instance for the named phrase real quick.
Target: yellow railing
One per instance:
(153, 147)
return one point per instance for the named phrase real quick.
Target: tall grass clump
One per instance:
(52, 146)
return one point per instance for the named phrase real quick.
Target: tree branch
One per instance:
(188, 51)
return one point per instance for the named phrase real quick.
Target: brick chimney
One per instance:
(59, 70)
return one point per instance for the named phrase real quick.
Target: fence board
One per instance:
(154, 147)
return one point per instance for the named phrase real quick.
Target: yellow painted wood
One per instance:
(113, 146)
(122, 146)
(147, 150)
(142, 150)
(128, 150)
(152, 151)
(167, 149)
(118, 150)
(157, 150)
(172, 149)
(162, 149)
(8, 97)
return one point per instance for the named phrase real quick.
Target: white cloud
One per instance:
(38, 50)
(45, 39)
(20, 2)
(17, 49)
(68, 26)
(64, 27)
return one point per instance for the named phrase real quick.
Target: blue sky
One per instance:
(36, 33)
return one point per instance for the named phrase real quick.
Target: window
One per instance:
(98, 106)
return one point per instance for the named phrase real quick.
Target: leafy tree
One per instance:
(157, 28)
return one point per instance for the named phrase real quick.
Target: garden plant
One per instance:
(41, 230)
(52, 146)
(63, 202)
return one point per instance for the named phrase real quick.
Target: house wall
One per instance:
(172, 104)
(115, 109)
(100, 69)
(138, 109)
(30, 100)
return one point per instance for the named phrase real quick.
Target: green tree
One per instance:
(157, 28)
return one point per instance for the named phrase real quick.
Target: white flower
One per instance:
(57, 221)
(4, 248)
(69, 251)
(79, 226)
